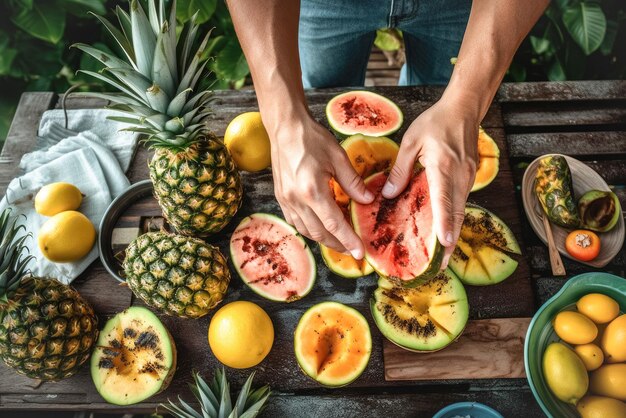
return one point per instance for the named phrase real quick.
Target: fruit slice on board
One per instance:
(333, 343)
(398, 235)
(345, 265)
(368, 155)
(488, 161)
(272, 258)
(480, 257)
(363, 112)
(425, 318)
(134, 358)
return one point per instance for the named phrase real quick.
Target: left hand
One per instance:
(444, 140)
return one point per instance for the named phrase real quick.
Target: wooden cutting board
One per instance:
(487, 349)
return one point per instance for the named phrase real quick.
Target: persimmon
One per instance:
(583, 245)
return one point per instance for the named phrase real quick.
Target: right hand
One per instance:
(305, 156)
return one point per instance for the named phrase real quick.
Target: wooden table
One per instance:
(584, 119)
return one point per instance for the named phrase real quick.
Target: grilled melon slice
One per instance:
(134, 358)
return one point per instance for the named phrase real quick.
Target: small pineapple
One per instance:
(215, 401)
(47, 330)
(195, 179)
(180, 275)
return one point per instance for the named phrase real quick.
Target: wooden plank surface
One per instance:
(294, 390)
(487, 349)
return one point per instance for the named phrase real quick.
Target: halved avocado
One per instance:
(599, 210)
(134, 358)
(425, 318)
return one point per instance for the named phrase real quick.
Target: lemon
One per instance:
(600, 308)
(601, 407)
(575, 328)
(57, 197)
(248, 143)
(67, 236)
(591, 355)
(241, 334)
(610, 380)
(565, 373)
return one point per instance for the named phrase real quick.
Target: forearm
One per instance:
(268, 33)
(494, 32)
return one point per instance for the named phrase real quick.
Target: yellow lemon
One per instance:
(601, 407)
(241, 334)
(575, 328)
(613, 340)
(67, 236)
(57, 197)
(565, 373)
(598, 307)
(248, 143)
(609, 380)
(591, 355)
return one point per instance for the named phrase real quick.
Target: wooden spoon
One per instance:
(558, 269)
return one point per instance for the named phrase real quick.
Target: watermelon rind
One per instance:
(273, 218)
(297, 344)
(341, 133)
(412, 343)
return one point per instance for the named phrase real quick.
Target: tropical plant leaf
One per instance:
(540, 45)
(187, 8)
(609, 38)
(586, 23)
(230, 63)
(556, 72)
(80, 8)
(44, 21)
(388, 40)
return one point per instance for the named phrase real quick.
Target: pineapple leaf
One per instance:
(190, 31)
(191, 71)
(115, 84)
(104, 57)
(161, 68)
(124, 19)
(153, 16)
(132, 79)
(198, 74)
(133, 110)
(240, 405)
(178, 411)
(123, 119)
(157, 98)
(226, 406)
(176, 105)
(144, 40)
(112, 97)
(119, 38)
(205, 396)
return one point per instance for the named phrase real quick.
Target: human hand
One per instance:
(444, 140)
(304, 158)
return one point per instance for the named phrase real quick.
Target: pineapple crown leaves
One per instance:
(13, 263)
(156, 74)
(215, 400)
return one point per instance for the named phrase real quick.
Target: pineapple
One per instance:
(195, 179)
(215, 401)
(179, 275)
(47, 330)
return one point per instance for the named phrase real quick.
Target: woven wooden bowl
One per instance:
(584, 179)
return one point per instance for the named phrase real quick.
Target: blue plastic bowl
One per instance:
(463, 409)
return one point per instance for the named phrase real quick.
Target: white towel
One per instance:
(93, 159)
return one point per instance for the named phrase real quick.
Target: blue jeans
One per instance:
(336, 36)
